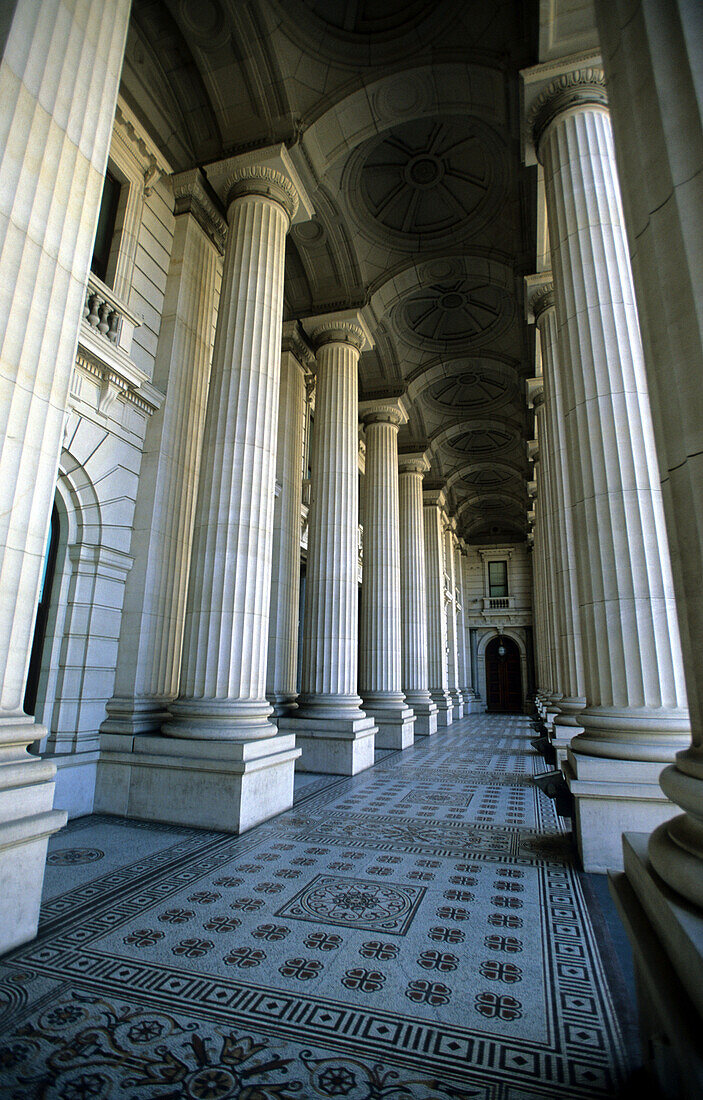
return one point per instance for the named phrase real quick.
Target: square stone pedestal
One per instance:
(666, 934)
(333, 746)
(225, 785)
(28, 820)
(425, 719)
(612, 797)
(395, 727)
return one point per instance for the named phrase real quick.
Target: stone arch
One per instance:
(517, 635)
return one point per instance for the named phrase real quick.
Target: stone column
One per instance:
(151, 630)
(550, 603)
(653, 61)
(544, 678)
(380, 649)
(297, 359)
(413, 594)
(433, 519)
(451, 611)
(636, 716)
(221, 714)
(59, 65)
(461, 642)
(569, 644)
(333, 731)
(471, 695)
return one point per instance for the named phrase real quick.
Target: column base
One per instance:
(563, 731)
(457, 704)
(284, 706)
(425, 717)
(470, 705)
(666, 935)
(76, 776)
(395, 726)
(127, 714)
(226, 785)
(611, 797)
(333, 746)
(27, 797)
(445, 708)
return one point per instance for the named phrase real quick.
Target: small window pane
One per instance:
(497, 578)
(106, 226)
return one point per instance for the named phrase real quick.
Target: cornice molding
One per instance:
(192, 197)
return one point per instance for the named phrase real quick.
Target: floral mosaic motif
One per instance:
(204, 897)
(302, 862)
(427, 863)
(245, 957)
(463, 880)
(193, 948)
(271, 932)
(495, 1006)
(250, 868)
(366, 981)
(71, 857)
(438, 960)
(506, 903)
(466, 867)
(302, 969)
(269, 887)
(379, 870)
(287, 872)
(448, 912)
(374, 949)
(510, 872)
(228, 880)
(177, 916)
(458, 895)
(389, 859)
(421, 876)
(505, 920)
(316, 851)
(268, 857)
(501, 972)
(143, 937)
(446, 935)
(356, 903)
(425, 992)
(515, 887)
(222, 924)
(339, 866)
(503, 943)
(357, 1080)
(247, 905)
(323, 941)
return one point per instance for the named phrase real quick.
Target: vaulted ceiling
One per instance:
(402, 117)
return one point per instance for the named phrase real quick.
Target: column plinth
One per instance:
(380, 648)
(334, 732)
(413, 594)
(636, 718)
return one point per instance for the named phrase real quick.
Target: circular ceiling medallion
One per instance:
(309, 232)
(427, 181)
(481, 441)
(460, 312)
(478, 388)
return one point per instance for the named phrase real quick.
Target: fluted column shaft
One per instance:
(549, 553)
(379, 671)
(59, 76)
(223, 676)
(330, 631)
(571, 683)
(433, 521)
(281, 688)
(452, 641)
(544, 649)
(413, 595)
(151, 632)
(637, 703)
(652, 57)
(464, 674)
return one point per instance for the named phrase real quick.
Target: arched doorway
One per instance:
(503, 680)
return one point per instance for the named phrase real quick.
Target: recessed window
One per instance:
(497, 578)
(106, 227)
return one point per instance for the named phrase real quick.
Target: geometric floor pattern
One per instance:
(419, 931)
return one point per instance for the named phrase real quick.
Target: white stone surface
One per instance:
(433, 526)
(281, 687)
(51, 170)
(330, 626)
(451, 613)
(413, 594)
(380, 641)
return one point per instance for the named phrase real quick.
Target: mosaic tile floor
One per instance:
(418, 931)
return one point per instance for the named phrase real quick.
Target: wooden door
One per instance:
(503, 679)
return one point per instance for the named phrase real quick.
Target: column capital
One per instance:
(539, 295)
(192, 196)
(345, 326)
(413, 462)
(434, 498)
(532, 447)
(535, 392)
(268, 172)
(383, 410)
(558, 86)
(295, 341)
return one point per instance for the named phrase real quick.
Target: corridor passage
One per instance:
(417, 931)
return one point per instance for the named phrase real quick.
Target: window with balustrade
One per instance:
(497, 579)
